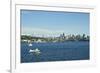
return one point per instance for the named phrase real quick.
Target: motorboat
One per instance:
(35, 51)
(30, 44)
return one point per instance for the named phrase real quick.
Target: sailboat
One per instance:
(29, 43)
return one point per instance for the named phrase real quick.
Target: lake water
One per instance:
(61, 51)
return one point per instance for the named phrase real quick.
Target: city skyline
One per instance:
(54, 23)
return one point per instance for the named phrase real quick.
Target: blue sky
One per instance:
(54, 23)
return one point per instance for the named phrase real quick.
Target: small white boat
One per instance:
(30, 44)
(35, 51)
